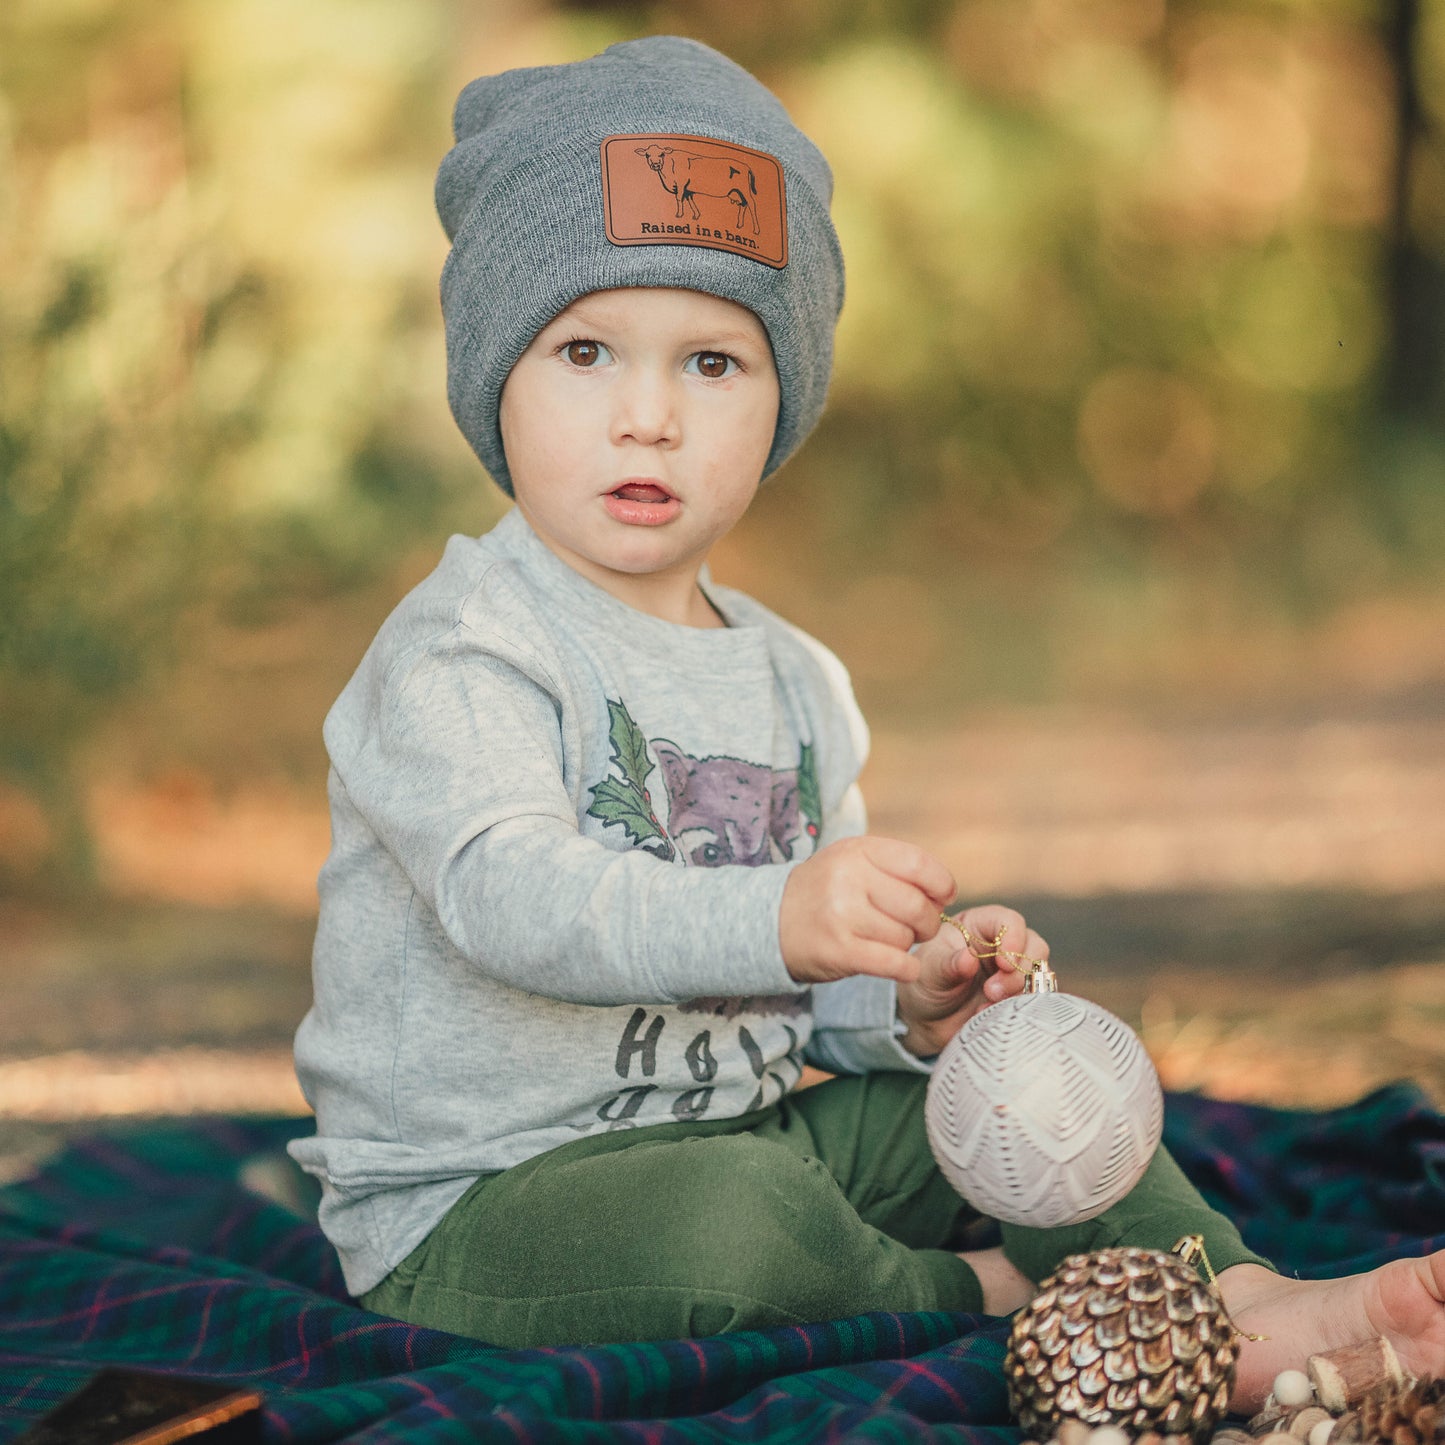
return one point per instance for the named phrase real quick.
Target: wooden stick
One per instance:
(1345, 1376)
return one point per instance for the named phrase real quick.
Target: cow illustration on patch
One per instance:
(720, 810)
(686, 175)
(688, 190)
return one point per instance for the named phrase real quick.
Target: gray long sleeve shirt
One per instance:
(560, 834)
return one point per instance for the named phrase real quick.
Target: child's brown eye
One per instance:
(713, 364)
(583, 353)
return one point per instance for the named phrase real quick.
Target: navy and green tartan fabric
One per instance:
(144, 1248)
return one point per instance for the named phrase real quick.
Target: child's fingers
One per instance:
(1003, 984)
(912, 865)
(1015, 955)
(1036, 947)
(951, 934)
(882, 961)
(958, 970)
(1033, 947)
(875, 925)
(994, 922)
(994, 926)
(905, 903)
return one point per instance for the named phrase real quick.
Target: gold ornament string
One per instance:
(1190, 1248)
(993, 948)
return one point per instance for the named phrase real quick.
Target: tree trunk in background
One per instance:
(1414, 366)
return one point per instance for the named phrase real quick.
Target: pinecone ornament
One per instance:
(1127, 1337)
(1411, 1412)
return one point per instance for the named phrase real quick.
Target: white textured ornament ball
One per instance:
(1044, 1109)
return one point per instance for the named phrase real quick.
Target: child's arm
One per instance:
(454, 760)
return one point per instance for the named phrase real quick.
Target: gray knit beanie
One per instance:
(657, 163)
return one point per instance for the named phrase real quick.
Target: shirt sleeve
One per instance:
(455, 763)
(855, 1020)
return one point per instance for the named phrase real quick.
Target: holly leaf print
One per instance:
(614, 801)
(810, 802)
(629, 747)
(625, 801)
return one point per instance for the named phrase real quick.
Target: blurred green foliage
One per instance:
(1124, 304)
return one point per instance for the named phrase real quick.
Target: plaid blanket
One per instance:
(145, 1248)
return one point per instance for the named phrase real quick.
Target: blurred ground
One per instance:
(1264, 899)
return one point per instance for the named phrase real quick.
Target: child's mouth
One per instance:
(642, 492)
(641, 504)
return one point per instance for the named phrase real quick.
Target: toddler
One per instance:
(600, 884)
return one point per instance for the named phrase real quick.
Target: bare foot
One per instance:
(1004, 1288)
(1403, 1300)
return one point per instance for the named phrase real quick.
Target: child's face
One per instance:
(636, 426)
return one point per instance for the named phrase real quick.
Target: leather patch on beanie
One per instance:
(687, 190)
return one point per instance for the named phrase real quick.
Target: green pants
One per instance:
(826, 1204)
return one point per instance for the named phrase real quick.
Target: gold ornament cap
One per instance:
(1041, 979)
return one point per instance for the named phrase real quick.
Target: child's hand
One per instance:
(858, 906)
(954, 983)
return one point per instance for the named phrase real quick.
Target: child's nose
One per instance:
(646, 410)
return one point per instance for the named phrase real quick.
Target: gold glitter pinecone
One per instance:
(1412, 1413)
(1128, 1337)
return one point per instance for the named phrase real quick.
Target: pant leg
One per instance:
(661, 1232)
(1161, 1208)
(870, 1132)
(827, 1205)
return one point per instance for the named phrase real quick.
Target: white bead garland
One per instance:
(1292, 1387)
